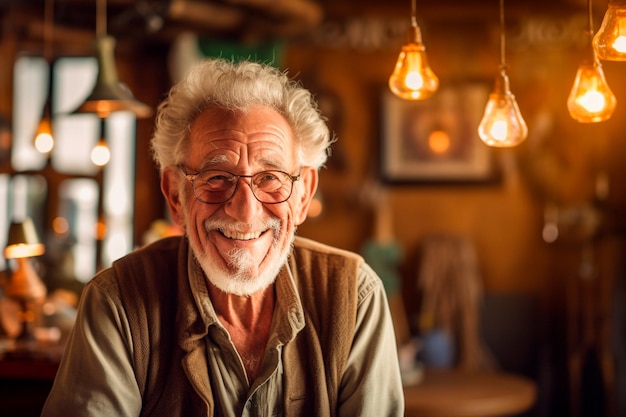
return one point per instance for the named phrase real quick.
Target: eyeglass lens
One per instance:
(268, 187)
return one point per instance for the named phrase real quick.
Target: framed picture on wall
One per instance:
(436, 140)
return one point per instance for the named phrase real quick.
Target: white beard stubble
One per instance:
(242, 282)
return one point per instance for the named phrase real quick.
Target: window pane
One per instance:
(29, 94)
(29, 194)
(75, 135)
(78, 205)
(119, 180)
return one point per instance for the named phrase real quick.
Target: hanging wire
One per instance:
(47, 30)
(590, 50)
(101, 18)
(413, 14)
(502, 37)
(589, 15)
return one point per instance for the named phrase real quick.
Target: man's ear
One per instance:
(170, 187)
(309, 179)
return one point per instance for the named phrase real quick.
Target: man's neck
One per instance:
(248, 321)
(243, 312)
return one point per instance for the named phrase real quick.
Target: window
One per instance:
(66, 195)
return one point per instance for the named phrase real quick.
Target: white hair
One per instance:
(238, 86)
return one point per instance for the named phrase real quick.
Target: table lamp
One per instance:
(24, 285)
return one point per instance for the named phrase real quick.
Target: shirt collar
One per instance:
(288, 314)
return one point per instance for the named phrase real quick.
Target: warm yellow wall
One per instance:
(504, 219)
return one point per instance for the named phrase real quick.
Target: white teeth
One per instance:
(240, 236)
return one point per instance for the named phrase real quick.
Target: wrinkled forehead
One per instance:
(259, 136)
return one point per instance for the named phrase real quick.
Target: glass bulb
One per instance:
(610, 41)
(412, 78)
(100, 154)
(591, 100)
(44, 142)
(502, 124)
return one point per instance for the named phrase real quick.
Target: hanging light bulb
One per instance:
(502, 124)
(100, 154)
(590, 99)
(44, 140)
(412, 78)
(610, 41)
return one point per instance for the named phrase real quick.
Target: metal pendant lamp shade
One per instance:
(109, 94)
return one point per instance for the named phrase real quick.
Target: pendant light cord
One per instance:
(502, 37)
(589, 15)
(48, 27)
(101, 18)
(413, 14)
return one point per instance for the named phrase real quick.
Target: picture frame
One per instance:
(436, 140)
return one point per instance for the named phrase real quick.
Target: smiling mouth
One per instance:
(240, 236)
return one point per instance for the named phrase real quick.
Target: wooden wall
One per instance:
(564, 167)
(558, 165)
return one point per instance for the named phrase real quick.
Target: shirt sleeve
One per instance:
(371, 384)
(96, 377)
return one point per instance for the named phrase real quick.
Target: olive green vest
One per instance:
(168, 331)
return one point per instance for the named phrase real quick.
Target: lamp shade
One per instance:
(109, 94)
(23, 241)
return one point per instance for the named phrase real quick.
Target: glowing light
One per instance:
(591, 100)
(439, 141)
(610, 41)
(412, 77)
(502, 124)
(44, 143)
(620, 44)
(100, 154)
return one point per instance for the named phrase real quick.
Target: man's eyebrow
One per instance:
(272, 163)
(214, 160)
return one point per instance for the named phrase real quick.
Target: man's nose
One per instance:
(243, 205)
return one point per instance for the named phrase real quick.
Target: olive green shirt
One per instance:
(103, 374)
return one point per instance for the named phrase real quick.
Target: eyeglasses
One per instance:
(217, 187)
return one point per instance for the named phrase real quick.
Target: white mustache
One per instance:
(242, 231)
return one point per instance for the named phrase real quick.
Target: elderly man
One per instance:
(239, 317)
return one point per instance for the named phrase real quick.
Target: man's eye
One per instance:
(219, 178)
(268, 176)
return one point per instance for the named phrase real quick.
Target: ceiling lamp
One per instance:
(502, 124)
(412, 78)
(610, 41)
(590, 100)
(44, 140)
(109, 94)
